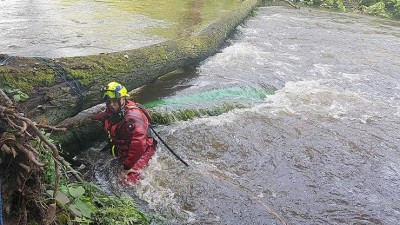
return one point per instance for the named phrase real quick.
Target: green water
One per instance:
(182, 17)
(213, 97)
(206, 103)
(61, 28)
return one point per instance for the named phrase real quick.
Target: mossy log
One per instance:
(61, 88)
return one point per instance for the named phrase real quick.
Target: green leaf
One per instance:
(17, 98)
(60, 197)
(23, 96)
(83, 208)
(64, 189)
(88, 202)
(74, 209)
(63, 218)
(76, 192)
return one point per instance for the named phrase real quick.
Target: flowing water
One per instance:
(61, 28)
(322, 149)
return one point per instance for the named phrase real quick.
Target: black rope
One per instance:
(169, 148)
(141, 107)
(62, 73)
(5, 62)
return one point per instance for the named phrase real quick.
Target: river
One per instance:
(65, 28)
(322, 149)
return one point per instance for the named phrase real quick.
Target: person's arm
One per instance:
(135, 126)
(101, 116)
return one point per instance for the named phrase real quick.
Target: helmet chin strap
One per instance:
(122, 105)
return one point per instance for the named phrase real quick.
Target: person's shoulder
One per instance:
(131, 105)
(131, 109)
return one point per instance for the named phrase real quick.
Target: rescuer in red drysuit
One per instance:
(127, 127)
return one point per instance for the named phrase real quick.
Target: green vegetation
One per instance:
(75, 202)
(17, 94)
(26, 79)
(39, 190)
(386, 8)
(85, 203)
(382, 8)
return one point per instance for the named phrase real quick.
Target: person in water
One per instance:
(127, 127)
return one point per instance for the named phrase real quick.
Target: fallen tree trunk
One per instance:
(61, 88)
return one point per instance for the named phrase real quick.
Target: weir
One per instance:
(207, 103)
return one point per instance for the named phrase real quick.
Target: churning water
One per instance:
(323, 149)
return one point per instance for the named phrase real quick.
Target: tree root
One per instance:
(22, 167)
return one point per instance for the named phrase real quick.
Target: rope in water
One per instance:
(5, 62)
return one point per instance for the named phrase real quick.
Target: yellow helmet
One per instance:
(114, 90)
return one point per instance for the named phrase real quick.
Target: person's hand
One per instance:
(99, 116)
(125, 174)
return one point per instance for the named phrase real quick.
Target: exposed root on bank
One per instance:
(22, 169)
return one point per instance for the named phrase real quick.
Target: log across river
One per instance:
(61, 87)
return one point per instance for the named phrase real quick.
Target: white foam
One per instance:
(160, 198)
(321, 70)
(232, 54)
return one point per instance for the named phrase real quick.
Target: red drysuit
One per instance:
(129, 136)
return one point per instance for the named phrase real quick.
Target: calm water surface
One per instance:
(60, 28)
